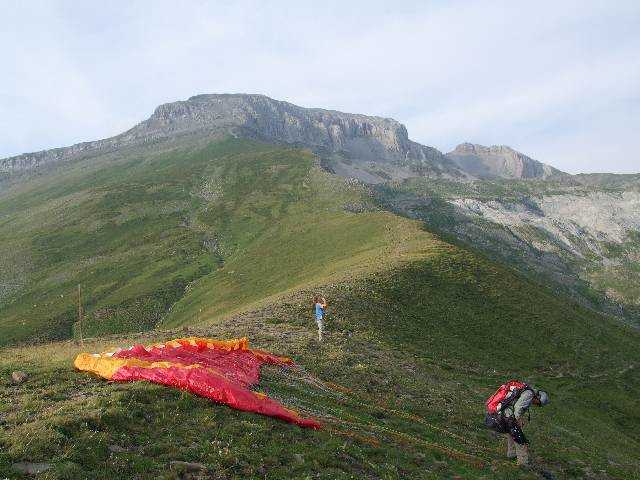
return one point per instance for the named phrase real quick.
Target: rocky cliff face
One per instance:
(500, 161)
(363, 138)
(583, 240)
(579, 223)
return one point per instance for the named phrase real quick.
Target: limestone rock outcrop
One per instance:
(500, 161)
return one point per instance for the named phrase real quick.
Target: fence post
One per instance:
(80, 314)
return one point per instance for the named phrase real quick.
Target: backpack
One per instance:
(505, 396)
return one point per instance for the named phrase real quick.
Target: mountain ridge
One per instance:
(500, 198)
(379, 146)
(359, 137)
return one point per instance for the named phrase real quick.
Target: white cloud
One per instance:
(541, 76)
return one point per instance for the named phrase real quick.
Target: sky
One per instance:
(557, 80)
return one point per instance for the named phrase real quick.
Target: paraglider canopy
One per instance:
(221, 370)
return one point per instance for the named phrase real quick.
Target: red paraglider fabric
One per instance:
(222, 371)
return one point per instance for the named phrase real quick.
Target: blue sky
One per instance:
(559, 81)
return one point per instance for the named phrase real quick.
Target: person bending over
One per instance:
(505, 414)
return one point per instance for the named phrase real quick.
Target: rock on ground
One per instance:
(19, 377)
(29, 468)
(187, 466)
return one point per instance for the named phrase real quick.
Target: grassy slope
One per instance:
(139, 229)
(314, 241)
(136, 230)
(114, 224)
(419, 365)
(416, 327)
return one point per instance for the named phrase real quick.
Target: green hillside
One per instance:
(417, 371)
(136, 231)
(232, 238)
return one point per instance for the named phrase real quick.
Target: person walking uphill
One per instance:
(505, 414)
(319, 304)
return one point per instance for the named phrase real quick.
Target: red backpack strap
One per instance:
(515, 390)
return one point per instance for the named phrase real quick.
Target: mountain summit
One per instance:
(354, 142)
(499, 161)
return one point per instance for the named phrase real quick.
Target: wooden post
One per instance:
(80, 314)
